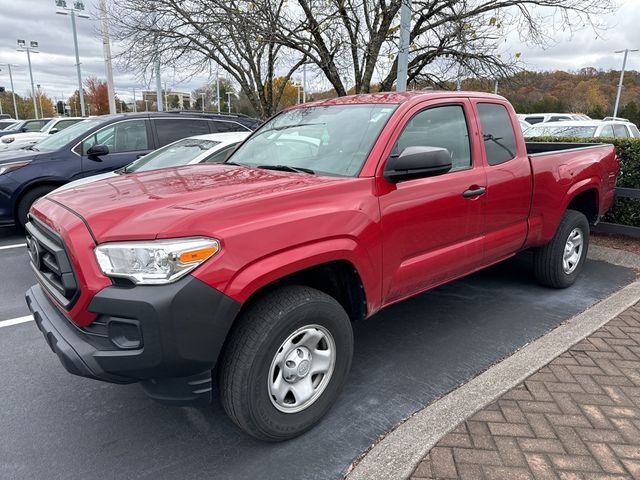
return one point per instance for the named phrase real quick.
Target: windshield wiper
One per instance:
(286, 127)
(287, 168)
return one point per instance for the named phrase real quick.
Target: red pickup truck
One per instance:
(329, 212)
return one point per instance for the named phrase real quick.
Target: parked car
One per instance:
(21, 140)
(534, 118)
(523, 124)
(6, 123)
(95, 145)
(211, 148)
(21, 126)
(584, 129)
(259, 265)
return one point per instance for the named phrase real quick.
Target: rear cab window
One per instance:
(497, 131)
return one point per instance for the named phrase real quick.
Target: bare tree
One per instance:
(354, 42)
(190, 35)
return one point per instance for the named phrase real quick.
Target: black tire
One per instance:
(27, 200)
(246, 360)
(548, 260)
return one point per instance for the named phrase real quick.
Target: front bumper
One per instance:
(167, 337)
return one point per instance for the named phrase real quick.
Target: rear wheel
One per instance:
(285, 362)
(24, 205)
(559, 263)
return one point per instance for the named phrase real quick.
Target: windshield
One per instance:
(60, 139)
(560, 131)
(332, 140)
(46, 125)
(178, 153)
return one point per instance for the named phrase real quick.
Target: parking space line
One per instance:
(16, 321)
(16, 245)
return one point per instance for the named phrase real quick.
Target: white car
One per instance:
(584, 129)
(210, 148)
(534, 118)
(22, 140)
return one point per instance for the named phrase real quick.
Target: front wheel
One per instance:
(558, 263)
(285, 362)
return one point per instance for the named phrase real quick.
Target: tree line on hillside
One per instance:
(589, 90)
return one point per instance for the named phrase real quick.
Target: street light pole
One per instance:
(13, 91)
(624, 65)
(78, 6)
(218, 89)
(31, 48)
(202, 94)
(403, 47)
(229, 101)
(40, 101)
(106, 48)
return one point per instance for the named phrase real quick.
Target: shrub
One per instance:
(625, 211)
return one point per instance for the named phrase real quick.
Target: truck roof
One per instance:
(400, 97)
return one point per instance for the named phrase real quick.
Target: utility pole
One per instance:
(403, 47)
(304, 82)
(166, 101)
(158, 85)
(218, 88)
(229, 101)
(33, 47)
(13, 91)
(624, 65)
(202, 95)
(135, 106)
(495, 89)
(106, 48)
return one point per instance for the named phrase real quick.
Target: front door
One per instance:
(432, 227)
(126, 140)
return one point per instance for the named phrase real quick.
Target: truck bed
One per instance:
(544, 148)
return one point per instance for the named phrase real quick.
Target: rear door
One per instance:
(126, 140)
(509, 181)
(168, 130)
(431, 228)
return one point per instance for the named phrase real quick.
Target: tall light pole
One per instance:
(135, 107)
(624, 65)
(13, 90)
(33, 47)
(106, 48)
(40, 101)
(403, 47)
(78, 6)
(202, 94)
(218, 89)
(229, 100)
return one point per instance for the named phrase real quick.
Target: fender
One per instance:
(551, 223)
(268, 269)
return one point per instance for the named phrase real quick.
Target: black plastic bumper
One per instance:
(166, 336)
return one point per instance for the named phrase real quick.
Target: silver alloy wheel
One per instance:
(301, 369)
(572, 251)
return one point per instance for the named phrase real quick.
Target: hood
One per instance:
(179, 201)
(7, 156)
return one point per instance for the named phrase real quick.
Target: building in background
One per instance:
(174, 100)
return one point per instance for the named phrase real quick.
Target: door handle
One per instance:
(474, 192)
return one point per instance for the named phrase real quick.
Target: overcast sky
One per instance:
(54, 66)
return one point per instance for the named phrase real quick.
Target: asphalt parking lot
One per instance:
(55, 425)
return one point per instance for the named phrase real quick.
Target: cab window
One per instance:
(607, 131)
(444, 127)
(497, 132)
(128, 136)
(620, 130)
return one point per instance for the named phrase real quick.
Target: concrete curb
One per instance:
(398, 454)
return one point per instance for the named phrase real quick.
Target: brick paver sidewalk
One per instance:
(576, 418)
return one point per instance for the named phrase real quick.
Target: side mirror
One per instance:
(23, 129)
(417, 162)
(95, 152)
(53, 130)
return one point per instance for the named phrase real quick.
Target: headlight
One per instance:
(10, 167)
(155, 262)
(6, 139)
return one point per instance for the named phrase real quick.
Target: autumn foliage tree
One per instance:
(96, 98)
